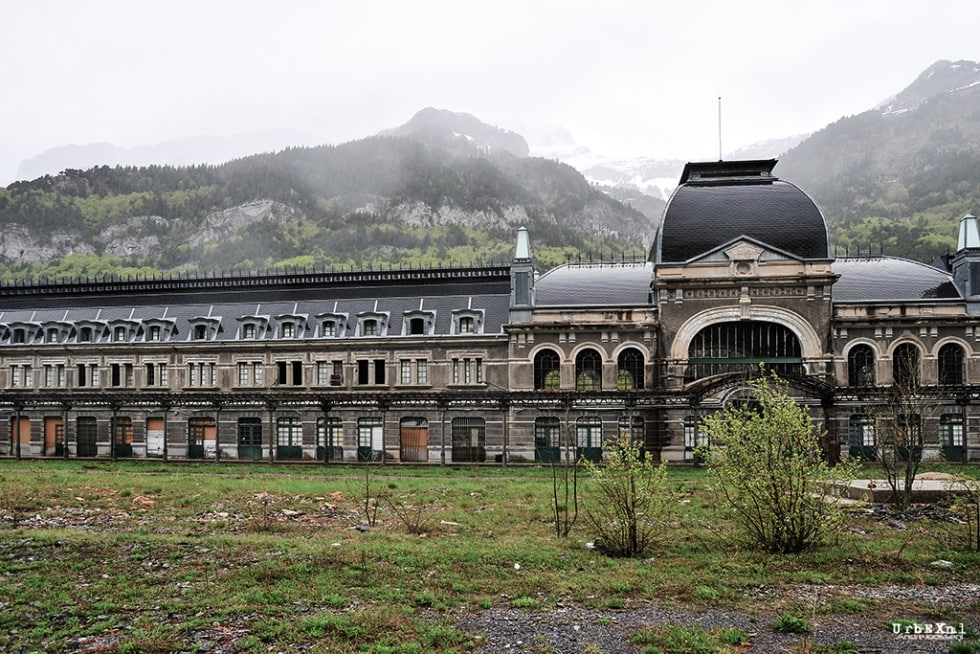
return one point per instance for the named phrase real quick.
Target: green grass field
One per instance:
(141, 556)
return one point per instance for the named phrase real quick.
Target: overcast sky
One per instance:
(624, 78)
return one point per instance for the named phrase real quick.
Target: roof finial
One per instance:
(719, 129)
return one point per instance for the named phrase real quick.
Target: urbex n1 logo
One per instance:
(928, 630)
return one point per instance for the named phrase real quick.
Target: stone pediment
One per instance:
(744, 251)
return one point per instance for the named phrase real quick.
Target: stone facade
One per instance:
(497, 364)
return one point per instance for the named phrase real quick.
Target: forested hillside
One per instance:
(379, 202)
(898, 178)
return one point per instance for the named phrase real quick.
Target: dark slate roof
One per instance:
(722, 202)
(600, 284)
(441, 292)
(888, 279)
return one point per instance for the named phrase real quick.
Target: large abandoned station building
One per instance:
(497, 363)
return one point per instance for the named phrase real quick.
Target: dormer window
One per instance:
(91, 331)
(467, 321)
(252, 327)
(372, 323)
(51, 335)
(205, 328)
(155, 330)
(332, 325)
(290, 325)
(19, 335)
(418, 323)
(121, 331)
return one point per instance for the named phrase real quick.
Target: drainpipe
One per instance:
(112, 433)
(166, 429)
(217, 432)
(17, 430)
(64, 432)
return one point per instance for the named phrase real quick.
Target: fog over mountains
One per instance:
(893, 179)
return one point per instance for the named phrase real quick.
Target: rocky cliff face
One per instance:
(19, 243)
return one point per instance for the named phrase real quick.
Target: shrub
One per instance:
(767, 457)
(631, 502)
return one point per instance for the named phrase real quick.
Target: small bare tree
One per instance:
(564, 479)
(898, 420)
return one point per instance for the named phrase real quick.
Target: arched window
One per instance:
(742, 346)
(951, 364)
(547, 374)
(905, 366)
(588, 371)
(861, 366)
(629, 370)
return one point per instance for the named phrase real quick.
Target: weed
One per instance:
(732, 636)
(677, 640)
(525, 603)
(705, 593)
(788, 623)
(847, 605)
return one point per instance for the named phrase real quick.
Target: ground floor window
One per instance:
(413, 439)
(250, 438)
(469, 440)
(289, 438)
(199, 430)
(86, 434)
(861, 437)
(588, 438)
(547, 439)
(329, 439)
(122, 430)
(951, 436)
(370, 439)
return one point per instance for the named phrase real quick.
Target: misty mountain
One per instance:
(459, 132)
(188, 151)
(898, 177)
(380, 201)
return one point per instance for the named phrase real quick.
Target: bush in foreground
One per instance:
(631, 504)
(767, 458)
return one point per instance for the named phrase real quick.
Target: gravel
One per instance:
(570, 628)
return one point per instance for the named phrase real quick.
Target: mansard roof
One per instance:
(890, 279)
(596, 284)
(720, 202)
(187, 302)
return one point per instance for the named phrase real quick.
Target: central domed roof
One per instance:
(721, 202)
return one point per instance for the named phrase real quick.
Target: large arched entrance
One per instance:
(734, 347)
